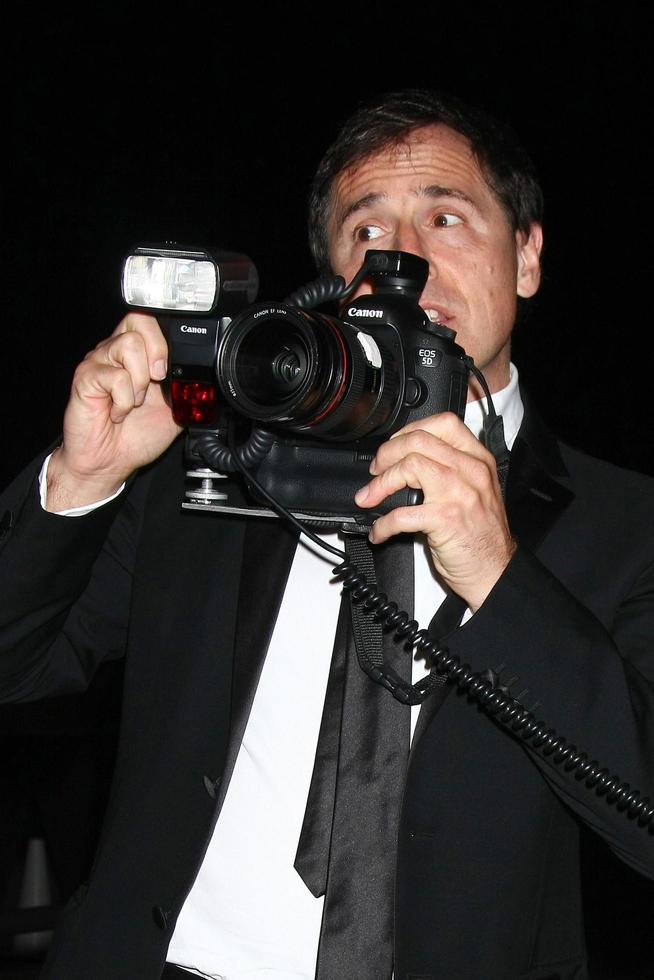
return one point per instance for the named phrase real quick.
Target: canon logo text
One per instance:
(376, 314)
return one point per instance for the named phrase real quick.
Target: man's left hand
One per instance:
(462, 516)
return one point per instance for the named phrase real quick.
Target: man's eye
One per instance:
(447, 220)
(366, 233)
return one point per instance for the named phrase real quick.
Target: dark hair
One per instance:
(389, 120)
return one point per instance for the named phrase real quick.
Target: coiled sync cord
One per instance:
(483, 690)
(500, 705)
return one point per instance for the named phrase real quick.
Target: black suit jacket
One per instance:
(488, 869)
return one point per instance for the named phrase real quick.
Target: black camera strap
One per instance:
(493, 439)
(368, 631)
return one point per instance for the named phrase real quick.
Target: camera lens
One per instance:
(269, 363)
(307, 371)
(287, 367)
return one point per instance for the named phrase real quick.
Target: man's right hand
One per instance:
(116, 420)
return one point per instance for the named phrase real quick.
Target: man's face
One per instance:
(429, 196)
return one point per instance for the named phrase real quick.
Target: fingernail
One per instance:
(139, 397)
(361, 495)
(159, 370)
(373, 464)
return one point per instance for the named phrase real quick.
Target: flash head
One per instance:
(170, 278)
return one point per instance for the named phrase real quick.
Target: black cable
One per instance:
(507, 710)
(316, 293)
(470, 364)
(325, 289)
(227, 459)
(275, 505)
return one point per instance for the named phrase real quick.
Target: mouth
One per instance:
(438, 316)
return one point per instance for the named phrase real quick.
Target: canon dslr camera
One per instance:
(285, 404)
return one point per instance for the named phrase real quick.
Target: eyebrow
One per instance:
(432, 191)
(363, 202)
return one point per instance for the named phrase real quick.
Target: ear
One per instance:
(528, 249)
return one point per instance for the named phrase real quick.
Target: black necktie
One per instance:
(347, 847)
(348, 842)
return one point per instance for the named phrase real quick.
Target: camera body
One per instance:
(308, 396)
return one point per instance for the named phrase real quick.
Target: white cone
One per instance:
(35, 891)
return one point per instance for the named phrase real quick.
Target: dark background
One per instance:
(204, 126)
(123, 127)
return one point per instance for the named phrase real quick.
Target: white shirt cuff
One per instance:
(71, 511)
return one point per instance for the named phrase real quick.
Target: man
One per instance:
(557, 588)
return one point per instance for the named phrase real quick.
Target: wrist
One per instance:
(483, 586)
(67, 490)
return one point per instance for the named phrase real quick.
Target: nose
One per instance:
(408, 239)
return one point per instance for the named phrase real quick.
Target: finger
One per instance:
(449, 472)
(474, 464)
(418, 441)
(448, 427)
(454, 511)
(401, 520)
(134, 349)
(414, 470)
(94, 383)
(156, 348)
(126, 351)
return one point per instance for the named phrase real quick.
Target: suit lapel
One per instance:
(535, 499)
(536, 495)
(268, 552)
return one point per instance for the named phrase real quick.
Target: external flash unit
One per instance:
(194, 293)
(178, 280)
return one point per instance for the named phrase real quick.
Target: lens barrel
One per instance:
(307, 372)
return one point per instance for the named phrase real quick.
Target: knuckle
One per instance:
(82, 368)
(96, 351)
(133, 321)
(448, 422)
(122, 326)
(122, 396)
(419, 440)
(481, 472)
(147, 327)
(413, 462)
(469, 498)
(130, 342)
(450, 512)
(87, 369)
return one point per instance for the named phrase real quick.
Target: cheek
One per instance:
(500, 281)
(493, 303)
(500, 304)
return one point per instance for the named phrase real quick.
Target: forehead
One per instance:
(431, 156)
